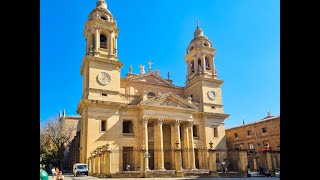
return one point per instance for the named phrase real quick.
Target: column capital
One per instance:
(175, 123)
(158, 121)
(144, 120)
(187, 124)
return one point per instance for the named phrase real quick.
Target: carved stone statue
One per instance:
(141, 69)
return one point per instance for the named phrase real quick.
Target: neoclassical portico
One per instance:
(187, 144)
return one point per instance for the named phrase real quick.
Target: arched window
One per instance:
(206, 44)
(207, 63)
(192, 66)
(151, 94)
(191, 48)
(103, 41)
(104, 18)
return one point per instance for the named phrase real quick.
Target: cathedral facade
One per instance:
(141, 120)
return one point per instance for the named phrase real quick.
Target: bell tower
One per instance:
(202, 83)
(101, 67)
(100, 71)
(200, 56)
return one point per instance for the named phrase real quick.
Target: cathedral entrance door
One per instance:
(127, 155)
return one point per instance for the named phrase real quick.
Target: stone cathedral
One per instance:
(144, 120)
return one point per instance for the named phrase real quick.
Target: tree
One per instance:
(55, 135)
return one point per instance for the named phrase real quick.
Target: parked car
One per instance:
(79, 168)
(278, 173)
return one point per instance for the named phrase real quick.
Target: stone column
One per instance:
(254, 164)
(158, 142)
(212, 162)
(196, 65)
(98, 163)
(201, 156)
(203, 63)
(191, 145)
(88, 41)
(269, 161)
(243, 160)
(97, 39)
(175, 134)
(107, 161)
(274, 161)
(144, 122)
(92, 165)
(278, 158)
(185, 146)
(115, 45)
(109, 42)
(188, 70)
(178, 164)
(212, 65)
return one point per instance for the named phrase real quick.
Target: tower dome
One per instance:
(198, 32)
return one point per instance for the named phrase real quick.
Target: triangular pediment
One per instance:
(151, 77)
(169, 100)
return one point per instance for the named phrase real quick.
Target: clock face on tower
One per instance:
(104, 78)
(211, 94)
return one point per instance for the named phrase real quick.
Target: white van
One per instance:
(79, 168)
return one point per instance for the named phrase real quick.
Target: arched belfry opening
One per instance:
(103, 41)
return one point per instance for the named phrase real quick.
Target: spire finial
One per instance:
(64, 112)
(150, 64)
(101, 4)
(130, 68)
(168, 75)
(198, 32)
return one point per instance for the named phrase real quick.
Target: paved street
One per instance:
(71, 177)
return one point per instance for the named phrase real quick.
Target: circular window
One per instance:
(104, 18)
(212, 94)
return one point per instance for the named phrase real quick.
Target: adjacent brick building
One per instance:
(257, 138)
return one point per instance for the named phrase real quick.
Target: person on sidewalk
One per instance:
(53, 172)
(60, 176)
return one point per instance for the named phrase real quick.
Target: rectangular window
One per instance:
(127, 127)
(104, 94)
(249, 133)
(235, 135)
(215, 132)
(251, 146)
(195, 131)
(103, 125)
(264, 130)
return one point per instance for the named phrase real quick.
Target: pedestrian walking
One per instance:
(53, 172)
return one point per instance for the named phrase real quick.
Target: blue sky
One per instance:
(245, 33)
